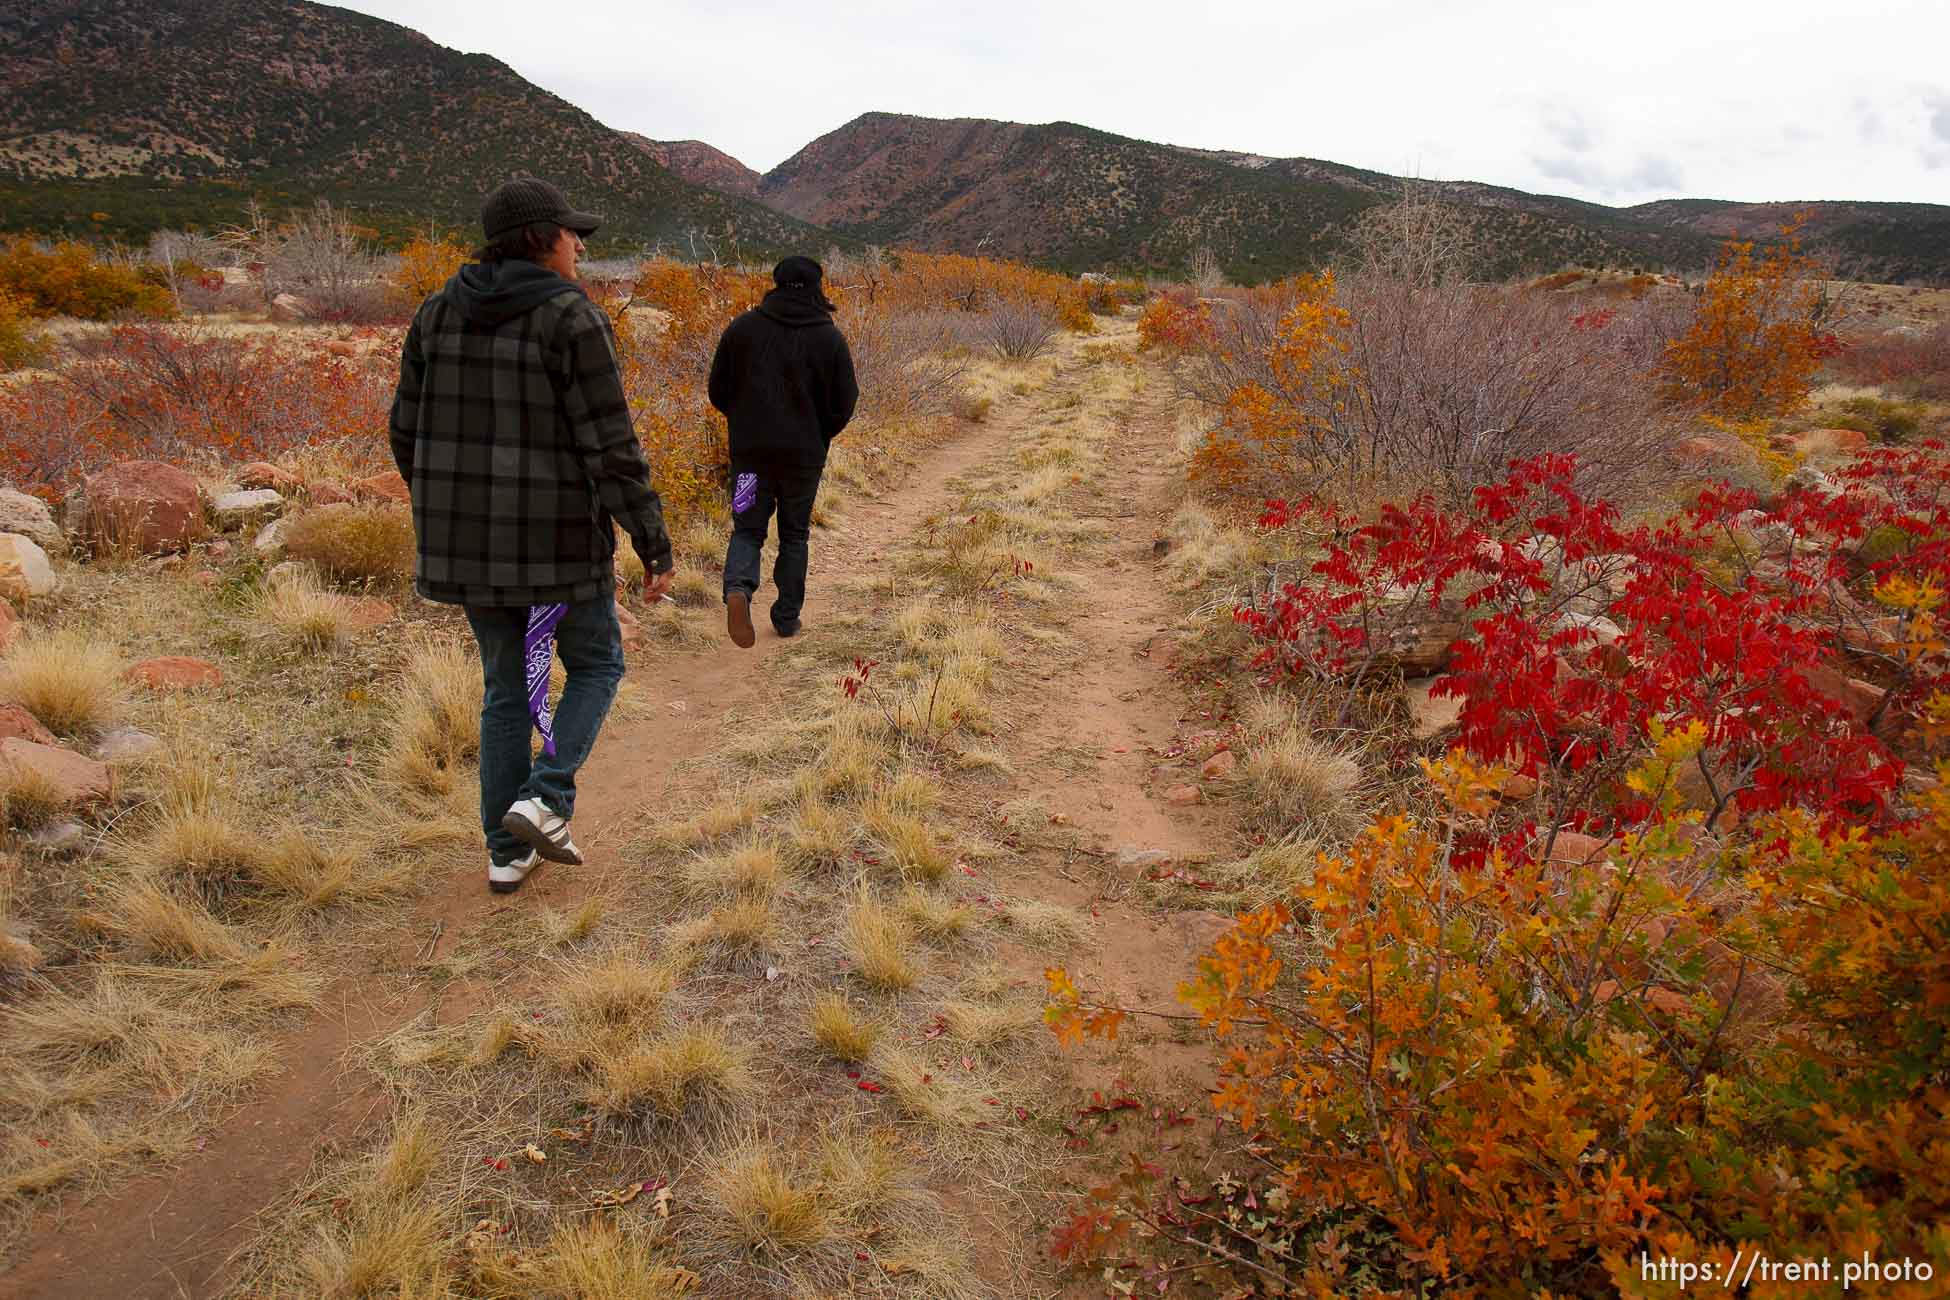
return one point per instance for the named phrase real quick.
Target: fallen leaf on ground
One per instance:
(536, 1156)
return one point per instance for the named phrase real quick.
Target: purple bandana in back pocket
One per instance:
(538, 652)
(745, 495)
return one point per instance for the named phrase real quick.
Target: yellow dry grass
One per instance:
(756, 869)
(911, 847)
(70, 681)
(171, 926)
(1294, 783)
(767, 1208)
(697, 1074)
(841, 1032)
(29, 798)
(308, 616)
(877, 941)
(437, 720)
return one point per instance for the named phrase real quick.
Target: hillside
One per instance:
(117, 116)
(700, 164)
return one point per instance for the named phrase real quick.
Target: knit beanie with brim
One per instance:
(802, 273)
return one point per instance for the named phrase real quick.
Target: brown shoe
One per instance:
(738, 619)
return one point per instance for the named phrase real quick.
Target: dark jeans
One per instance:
(590, 643)
(791, 495)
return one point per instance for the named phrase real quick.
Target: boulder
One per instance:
(1183, 795)
(31, 518)
(25, 573)
(1219, 765)
(262, 474)
(365, 613)
(123, 743)
(1860, 698)
(1430, 715)
(289, 306)
(1829, 442)
(175, 673)
(270, 538)
(63, 836)
(76, 781)
(9, 625)
(327, 494)
(342, 347)
(1603, 631)
(382, 487)
(145, 505)
(1809, 479)
(16, 723)
(235, 509)
(1574, 848)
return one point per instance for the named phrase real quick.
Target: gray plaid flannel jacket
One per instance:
(517, 445)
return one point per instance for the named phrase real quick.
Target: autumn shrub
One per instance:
(1881, 418)
(425, 265)
(1365, 384)
(355, 542)
(69, 279)
(1663, 973)
(1105, 296)
(953, 282)
(1910, 361)
(186, 394)
(1017, 331)
(20, 342)
(1761, 330)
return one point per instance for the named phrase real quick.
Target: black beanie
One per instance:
(527, 199)
(802, 273)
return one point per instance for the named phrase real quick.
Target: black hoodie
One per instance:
(493, 293)
(784, 379)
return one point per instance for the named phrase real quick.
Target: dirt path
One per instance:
(1106, 714)
(171, 1234)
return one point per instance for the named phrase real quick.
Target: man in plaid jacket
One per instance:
(512, 431)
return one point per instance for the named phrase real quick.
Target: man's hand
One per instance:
(655, 585)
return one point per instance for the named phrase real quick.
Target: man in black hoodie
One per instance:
(784, 379)
(512, 431)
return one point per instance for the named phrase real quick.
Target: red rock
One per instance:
(1219, 765)
(175, 673)
(146, 505)
(76, 780)
(1430, 715)
(327, 494)
(1575, 848)
(17, 723)
(1860, 698)
(1518, 786)
(9, 624)
(1839, 442)
(368, 612)
(341, 348)
(382, 487)
(260, 474)
(1183, 795)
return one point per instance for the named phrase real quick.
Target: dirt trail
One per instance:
(171, 1234)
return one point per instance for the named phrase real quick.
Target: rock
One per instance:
(64, 836)
(1829, 442)
(175, 673)
(9, 625)
(219, 549)
(123, 743)
(262, 474)
(286, 571)
(24, 569)
(1219, 765)
(365, 613)
(76, 781)
(235, 509)
(1809, 479)
(1430, 715)
(1422, 648)
(289, 305)
(1603, 630)
(382, 487)
(145, 505)
(1574, 848)
(327, 494)
(1181, 796)
(270, 538)
(16, 723)
(1515, 786)
(1132, 858)
(1860, 698)
(341, 348)
(31, 518)
(1709, 453)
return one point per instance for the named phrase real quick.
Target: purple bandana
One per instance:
(538, 651)
(745, 494)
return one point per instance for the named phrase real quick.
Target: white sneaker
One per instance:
(506, 877)
(531, 822)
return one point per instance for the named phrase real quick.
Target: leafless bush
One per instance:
(1019, 331)
(907, 362)
(1417, 238)
(1205, 275)
(319, 256)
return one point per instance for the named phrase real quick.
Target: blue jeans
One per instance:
(590, 642)
(791, 495)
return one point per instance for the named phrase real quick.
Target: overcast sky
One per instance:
(1618, 102)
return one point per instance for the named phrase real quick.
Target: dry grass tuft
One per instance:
(1292, 782)
(945, 1099)
(766, 1208)
(1047, 925)
(820, 836)
(907, 840)
(28, 798)
(437, 727)
(614, 990)
(840, 1033)
(357, 543)
(195, 840)
(696, 1074)
(851, 762)
(866, 1176)
(877, 941)
(591, 1260)
(726, 817)
(933, 915)
(170, 926)
(311, 618)
(559, 929)
(71, 682)
(753, 870)
(990, 1028)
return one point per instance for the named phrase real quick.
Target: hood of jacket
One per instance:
(794, 307)
(491, 293)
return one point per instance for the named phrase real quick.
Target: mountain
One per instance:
(700, 164)
(119, 116)
(1082, 199)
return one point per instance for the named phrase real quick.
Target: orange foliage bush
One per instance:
(67, 279)
(19, 345)
(425, 264)
(950, 281)
(1758, 336)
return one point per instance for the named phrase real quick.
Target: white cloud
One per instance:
(1614, 104)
